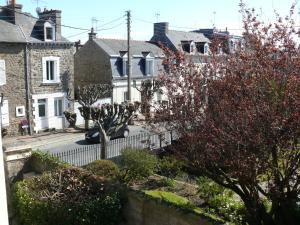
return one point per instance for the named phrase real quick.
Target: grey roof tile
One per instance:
(114, 46)
(177, 36)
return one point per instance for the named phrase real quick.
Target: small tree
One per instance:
(238, 117)
(110, 119)
(148, 89)
(89, 94)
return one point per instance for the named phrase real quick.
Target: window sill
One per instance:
(51, 84)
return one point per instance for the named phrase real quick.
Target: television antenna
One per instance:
(94, 21)
(157, 15)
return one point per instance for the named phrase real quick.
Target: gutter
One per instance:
(27, 84)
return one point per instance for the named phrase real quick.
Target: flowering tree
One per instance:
(238, 116)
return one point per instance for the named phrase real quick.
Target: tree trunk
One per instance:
(86, 124)
(104, 140)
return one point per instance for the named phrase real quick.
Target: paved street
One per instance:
(57, 141)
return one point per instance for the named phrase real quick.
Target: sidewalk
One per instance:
(44, 138)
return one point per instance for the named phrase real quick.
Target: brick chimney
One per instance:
(161, 29)
(14, 12)
(92, 34)
(55, 17)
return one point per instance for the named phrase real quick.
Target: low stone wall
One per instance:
(142, 211)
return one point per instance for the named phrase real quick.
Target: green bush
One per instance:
(137, 164)
(221, 200)
(41, 162)
(169, 166)
(69, 196)
(104, 168)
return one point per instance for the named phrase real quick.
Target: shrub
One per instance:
(221, 200)
(41, 162)
(137, 164)
(104, 168)
(69, 196)
(169, 166)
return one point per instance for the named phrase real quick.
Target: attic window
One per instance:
(186, 47)
(49, 32)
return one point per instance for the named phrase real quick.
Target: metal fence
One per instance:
(88, 153)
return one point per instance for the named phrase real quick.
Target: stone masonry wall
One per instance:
(92, 65)
(65, 53)
(14, 90)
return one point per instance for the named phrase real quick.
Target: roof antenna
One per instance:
(94, 23)
(157, 15)
(214, 19)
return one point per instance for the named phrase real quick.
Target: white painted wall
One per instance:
(79, 118)
(3, 196)
(57, 122)
(120, 87)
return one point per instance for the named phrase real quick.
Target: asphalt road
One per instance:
(77, 140)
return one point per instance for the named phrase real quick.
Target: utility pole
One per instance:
(128, 56)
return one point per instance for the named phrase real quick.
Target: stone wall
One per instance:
(92, 65)
(141, 211)
(66, 58)
(14, 90)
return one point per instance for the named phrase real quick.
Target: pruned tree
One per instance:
(88, 95)
(148, 88)
(238, 117)
(110, 119)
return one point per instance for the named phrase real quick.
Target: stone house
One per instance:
(190, 43)
(230, 42)
(36, 70)
(105, 61)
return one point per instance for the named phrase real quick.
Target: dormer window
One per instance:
(206, 49)
(124, 65)
(149, 63)
(49, 32)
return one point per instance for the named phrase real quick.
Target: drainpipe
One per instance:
(27, 87)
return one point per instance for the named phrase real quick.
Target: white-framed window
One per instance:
(206, 49)
(4, 113)
(149, 66)
(2, 72)
(58, 107)
(51, 69)
(42, 107)
(49, 32)
(124, 65)
(20, 111)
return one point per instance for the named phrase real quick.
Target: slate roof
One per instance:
(177, 36)
(114, 46)
(27, 30)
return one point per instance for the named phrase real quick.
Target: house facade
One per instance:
(105, 61)
(36, 70)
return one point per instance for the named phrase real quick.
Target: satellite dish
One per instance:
(38, 10)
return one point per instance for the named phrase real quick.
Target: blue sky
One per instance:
(182, 15)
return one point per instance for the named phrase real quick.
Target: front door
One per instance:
(42, 113)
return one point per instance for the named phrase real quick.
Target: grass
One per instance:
(180, 202)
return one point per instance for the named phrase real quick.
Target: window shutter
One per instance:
(5, 114)
(2, 72)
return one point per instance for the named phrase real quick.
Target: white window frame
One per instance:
(125, 96)
(22, 113)
(206, 49)
(56, 107)
(4, 120)
(46, 107)
(56, 77)
(149, 65)
(49, 25)
(2, 72)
